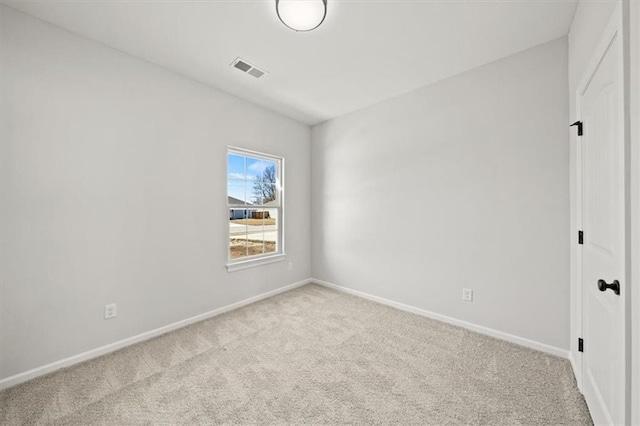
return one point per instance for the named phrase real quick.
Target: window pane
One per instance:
(237, 238)
(236, 192)
(238, 227)
(269, 194)
(255, 242)
(269, 171)
(255, 189)
(236, 167)
(263, 193)
(262, 242)
(270, 218)
(266, 217)
(255, 167)
(267, 220)
(237, 248)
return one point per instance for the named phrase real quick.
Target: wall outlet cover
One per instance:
(110, 311)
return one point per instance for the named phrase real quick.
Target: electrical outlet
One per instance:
(110, 311)
(291, 266)
(467, 295)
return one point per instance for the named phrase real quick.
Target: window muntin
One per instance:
(254, 200)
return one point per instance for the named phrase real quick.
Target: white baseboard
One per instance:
(576, 372)
(532, 344)
(93, 353)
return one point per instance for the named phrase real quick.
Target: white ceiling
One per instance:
(365, 51)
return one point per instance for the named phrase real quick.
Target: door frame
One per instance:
(614, 28)
(634, 118)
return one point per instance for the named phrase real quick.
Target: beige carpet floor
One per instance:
(308, 356)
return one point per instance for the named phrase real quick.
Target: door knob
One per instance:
(615, 286)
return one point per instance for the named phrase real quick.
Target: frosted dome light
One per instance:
(301, 15)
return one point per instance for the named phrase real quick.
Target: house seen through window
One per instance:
(254, 199)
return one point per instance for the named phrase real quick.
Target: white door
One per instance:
(603, 221)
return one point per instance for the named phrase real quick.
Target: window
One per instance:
(254, 200)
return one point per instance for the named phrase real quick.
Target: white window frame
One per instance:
(266, 258)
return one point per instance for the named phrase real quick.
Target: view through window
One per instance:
(254, 199)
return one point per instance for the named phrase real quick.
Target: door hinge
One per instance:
(579, 124)
(580, 237)
(580, 344)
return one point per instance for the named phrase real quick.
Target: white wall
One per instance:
(589, 22)
(113, 190)
(463, 183)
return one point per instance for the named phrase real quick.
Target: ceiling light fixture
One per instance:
(301, 15)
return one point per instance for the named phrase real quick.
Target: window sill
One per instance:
(252, 263)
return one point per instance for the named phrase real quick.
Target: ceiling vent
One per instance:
(248, 68)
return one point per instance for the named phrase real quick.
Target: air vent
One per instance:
(242, 66)
(256, 72)
(248, 68)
